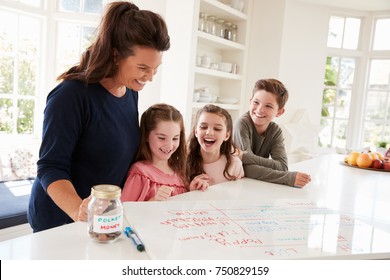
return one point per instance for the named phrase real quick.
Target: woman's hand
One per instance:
(301, 180)
(200, 182)
(83, 209)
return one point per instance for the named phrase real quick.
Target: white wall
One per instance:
(303, 57)
(288, 42)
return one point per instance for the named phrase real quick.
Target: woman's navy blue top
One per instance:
(89, 137)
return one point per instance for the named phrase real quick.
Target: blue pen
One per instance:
(131, 234)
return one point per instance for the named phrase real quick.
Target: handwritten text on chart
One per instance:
(288, 228)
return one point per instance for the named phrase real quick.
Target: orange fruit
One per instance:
(373, 155)
(364, 160)
(380, 156)
(351, 158)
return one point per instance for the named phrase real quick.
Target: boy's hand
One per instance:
(301, 180)
(200, 182)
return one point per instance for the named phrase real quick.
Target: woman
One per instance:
(91, 129)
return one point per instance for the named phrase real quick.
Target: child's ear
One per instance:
(280, 112)
(227, 136)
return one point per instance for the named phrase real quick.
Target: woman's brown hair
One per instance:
(122, 27)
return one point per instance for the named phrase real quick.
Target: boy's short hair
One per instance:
(275, 87)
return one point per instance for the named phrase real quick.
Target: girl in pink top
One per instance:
(211, 149)
(159, 171)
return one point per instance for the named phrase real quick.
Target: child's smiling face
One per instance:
(211, 132)
(263, 109)
(164, 140)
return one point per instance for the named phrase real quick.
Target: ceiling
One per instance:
(363, 5)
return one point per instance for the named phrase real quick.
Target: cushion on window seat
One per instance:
(14, 197)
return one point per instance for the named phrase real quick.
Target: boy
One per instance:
(264, 156)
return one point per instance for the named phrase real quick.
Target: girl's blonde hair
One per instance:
(149, 121)
(195, 160)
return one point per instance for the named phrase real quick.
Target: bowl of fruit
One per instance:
(368, 160)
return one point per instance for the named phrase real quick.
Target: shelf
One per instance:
(217, 74)
(221, 10)
(198, 105)
(218, 42)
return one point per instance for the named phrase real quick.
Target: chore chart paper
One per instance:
(285, 229)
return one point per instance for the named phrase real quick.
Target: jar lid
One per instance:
(106, 191)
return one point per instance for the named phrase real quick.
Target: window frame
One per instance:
(363, 55)
(50, 15)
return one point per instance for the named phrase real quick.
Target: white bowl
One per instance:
(225, 67)
(227, 100)
(205, 99)
(196, 96)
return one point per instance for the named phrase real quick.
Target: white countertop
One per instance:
(363, 194)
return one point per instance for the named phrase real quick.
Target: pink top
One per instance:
(215, 169)
(144, 179)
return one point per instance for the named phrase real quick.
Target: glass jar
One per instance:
(105, 213)
(234, 32)
(228, 30)
(202, 22)
(210, 25)
(220, 26)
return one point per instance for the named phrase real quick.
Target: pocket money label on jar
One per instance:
(107, 224)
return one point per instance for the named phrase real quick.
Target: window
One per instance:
(20, 56)
(37, 36)
(377, 116)
(356, 111)
(339, 81)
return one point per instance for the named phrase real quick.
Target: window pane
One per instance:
(68, 42)
(70, 6)
(25, 116)
(93, 6)
(6, 115)
(325, 133)
(328, 102)
(379, 74)
(331, 71)
(8, 31)
(6, 74)
(88, 37)
(29, 35)
(386, 134)
(347, 70)
(376, 105)
(343, 103)
(72, 40)
(372, 133)
(382, 35)
(335, 34)
(351, 33)
(340, 133)
(27, 77)
(35, 3)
